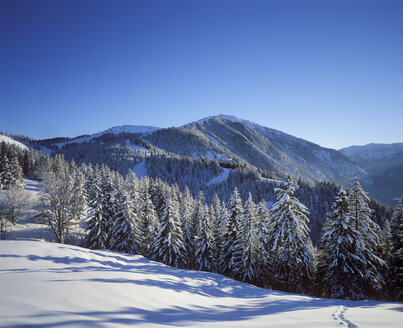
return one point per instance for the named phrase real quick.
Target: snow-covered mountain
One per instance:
(132, 129)
(277, 151)
(371, 154)
(227, 138)
(55, 285)
(384, 163)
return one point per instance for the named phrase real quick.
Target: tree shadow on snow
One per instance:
(172, 316)
(149, 273)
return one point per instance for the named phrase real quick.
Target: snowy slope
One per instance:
(53, 285)
(114, 130)
(384, 163)
(140, 170)
(219, 178)
(277, 151)
(131, 129)
(12, 141)
(373, 151)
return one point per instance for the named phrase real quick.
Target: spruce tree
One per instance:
(374, 266)
(340, 269)
(149, 224)
(396, 262)
(107, 197)
(263, 224)
(386, 255)
(97, 226)
(188, 227)
(16, 179)
(133, 188)
(204, 242)
(220, 227)
(4, 172)
(250, 251)
(232, 262)
(79, 196)
(125, 232)
(289, 241)
(10, 173)
(168, 246)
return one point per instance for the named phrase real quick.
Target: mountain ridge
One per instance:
(229, 139)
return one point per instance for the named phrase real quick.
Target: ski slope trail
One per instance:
(53, 285)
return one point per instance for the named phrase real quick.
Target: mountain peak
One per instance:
(131, 129)
(231, 118)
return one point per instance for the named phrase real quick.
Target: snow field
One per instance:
(49, 285)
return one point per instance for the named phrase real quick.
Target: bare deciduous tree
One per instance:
(61, 203)
(15, 202)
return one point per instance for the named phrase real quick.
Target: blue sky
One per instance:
(328, 71)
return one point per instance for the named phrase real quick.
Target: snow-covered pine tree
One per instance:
(340, 268)
(108, 200)
(125, 231)
(231, 263)
(263, 225)
(92, 182)
(149, 224)
(168, 246)
(79, 196)
(215, 208)
(10, 173)
(396, 262)
(204, 242)
(374, 266)
(249, 251)
(386, 241)
(5, 172)
(186, 214)
(102, 211)
(16, 174)
(219, 228)
(386, 255)
(133, 188)
(289, 241)
(156, 190)
(191, 229)
(132, 184)
(97, 226)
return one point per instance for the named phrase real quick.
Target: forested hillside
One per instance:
(238, 236)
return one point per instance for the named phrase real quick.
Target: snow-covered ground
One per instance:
(135, 147)
(53, 285)
(211, 155)
(219, 178)
(140, 169)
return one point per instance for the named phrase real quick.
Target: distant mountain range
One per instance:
(379, 167)
(384, 164)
